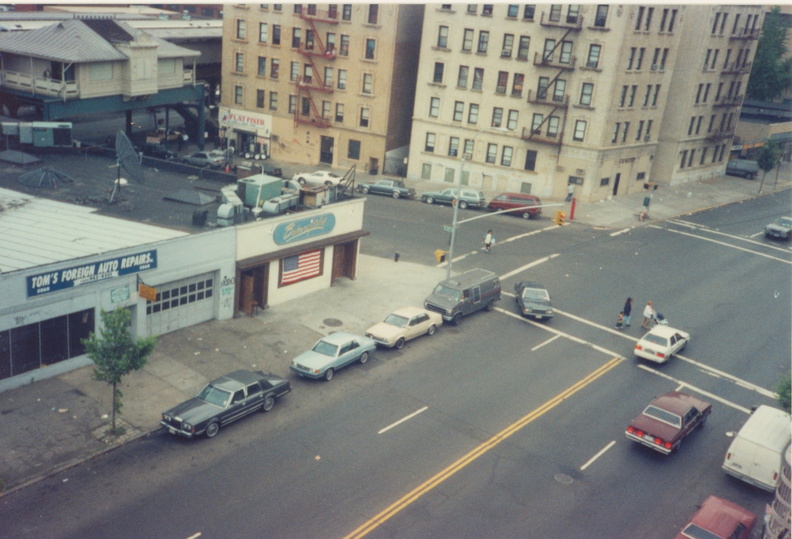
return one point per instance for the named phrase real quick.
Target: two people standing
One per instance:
(624, 315)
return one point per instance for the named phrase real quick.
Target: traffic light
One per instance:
(559, 217)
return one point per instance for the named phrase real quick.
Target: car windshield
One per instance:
(656, 339)
(697, 532)
(450, 293)
(216, 153)
(331, 175)
(396, 320)
(663, 415)
(534, 294)
(215, 395)
(325, 348)
(785, 221)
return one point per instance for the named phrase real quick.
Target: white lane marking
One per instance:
(195, 536)
(548, 341)
(696, 389)
(598, 455)
(527, 266)
(402, 420)
(723, 243)
(521, 236)
(618, 232)
(741, 238)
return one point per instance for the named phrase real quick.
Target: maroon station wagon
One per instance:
(719, 518)
(510, 201)
(667, 420)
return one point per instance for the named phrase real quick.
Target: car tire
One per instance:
(301, 181)
(328, 375)
(212, 429)
(463, 205)
(526, 215)
(431, 330)
(399, 344)
(395, 194)
(701, 425)
(429, 200)
(490, 305)
(269, 403)
(364, 189)
(457, 319)
(364, 357)
(328, 183)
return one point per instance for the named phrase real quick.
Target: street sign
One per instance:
(448, 228)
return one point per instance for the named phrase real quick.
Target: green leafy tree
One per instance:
(115, 354)
(769, 156)
(784, 390)
(771, 72)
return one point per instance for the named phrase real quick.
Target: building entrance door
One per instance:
(326, 150)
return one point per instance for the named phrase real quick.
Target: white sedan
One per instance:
(320, 177)
(404, 324)
(661, 343)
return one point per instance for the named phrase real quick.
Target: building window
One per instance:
(555, 12)
(373, 13)
(536, 123)
(273, 101)
(467, 40)
(368, 83)
(263, 32)
(346, 12)
(354, 150)
(239, 62)
(339, 113)
(262, 66)
(434, 107)
(274, 68)
(503, 80)
(522, 49)
(558, 90)
(276, 34)
(541, 87)
(239, 94)
(530, 160)
(442, 37)
(601, 17)
(593, 56)
(483, 42)
(586, 91)
(426, 171)
(371, 48)
(365, 114)
(517, 85)
(478, 78)
(294, 72)
(462, 79)
(529, 11)
(241, 29)
(429, 146)
(344, 48)
(492, 152)
(549, 50)
(580, 130)
(260, 99)
(655, 95)
(295, 43)
(626, 130)
(342, 77)
(623, 96)
(552, 126)
(512, 11)
(473, 113)
(330, 41)
(633, 88)
(437, 77)
(497, 116)
(565, 56)
(292, 104)
(459, 108)
(305, 106)
(508, 43)
(487, 9)
(511, 123)
(615, 135)
(328, 77)
(506, 156)
(641, 52)
(472, 9)
(453, 146)
(468, 153)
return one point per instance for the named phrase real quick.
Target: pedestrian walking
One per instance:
(185, 138)
(648, 315)
(570, 192)
(489, 239)
(620, 320)
(627, 310)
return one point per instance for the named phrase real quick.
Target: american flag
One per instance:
(302, 266)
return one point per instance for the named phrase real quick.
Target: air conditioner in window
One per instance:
(468, 156)
(591, 63)
(506, 53)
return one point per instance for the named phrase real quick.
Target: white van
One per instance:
(757, 452)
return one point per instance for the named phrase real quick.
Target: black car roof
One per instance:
(236, 380)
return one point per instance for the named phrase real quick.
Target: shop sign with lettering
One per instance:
(249, 121)
(44, 283)
(303, 229)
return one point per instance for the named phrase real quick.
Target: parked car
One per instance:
(158, 151)
(320, 177)
(391, 188)
(213, 159)
(403, 325)
(224, 400)
(533, 300)
(512, 201)
(719, 519)
(467, 197)
(668, 420)
(331, 353)
(781, 228)
(464, 294)
(661, 343)
(742, 167)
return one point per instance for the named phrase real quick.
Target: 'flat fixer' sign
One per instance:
(89, 273)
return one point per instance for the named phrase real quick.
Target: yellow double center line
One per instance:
(428, 485)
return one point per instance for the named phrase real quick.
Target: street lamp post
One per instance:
(458, 185)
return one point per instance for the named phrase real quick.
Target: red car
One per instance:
(721, 519)
(511, 201)
(666, 421)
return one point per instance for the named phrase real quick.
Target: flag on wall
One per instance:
(301, 267)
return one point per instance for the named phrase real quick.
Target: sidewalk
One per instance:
(60, 422)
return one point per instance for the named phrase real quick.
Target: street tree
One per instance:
(784, 391)
(769, 156)
(771, 71)
(115, 353)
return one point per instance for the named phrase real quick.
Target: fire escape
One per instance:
(313, 49)
(559, 103)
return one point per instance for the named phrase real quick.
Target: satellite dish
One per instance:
(129, 160)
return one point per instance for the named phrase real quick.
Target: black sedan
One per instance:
(158, 151)
(223, 401)
(391, 188)
(533, 300)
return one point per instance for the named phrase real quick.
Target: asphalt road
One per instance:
(501, 427)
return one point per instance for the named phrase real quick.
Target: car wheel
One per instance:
(457, 319)
(212, 429)
(363, 358)
(364, 189)
(399, 344)
(328, 375)
(431, 330)
(301, 181)
(463, 205)
(328, 183)
(526, 215)
(429, 200)
(269, 403)
(701, 425)
(395, 194)
(491, 305)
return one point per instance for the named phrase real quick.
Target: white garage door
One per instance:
(180, 304)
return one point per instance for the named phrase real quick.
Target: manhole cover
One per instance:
(563, 478)
(332, 322)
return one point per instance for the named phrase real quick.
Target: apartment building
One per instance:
(531, 98)
(328, 83)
